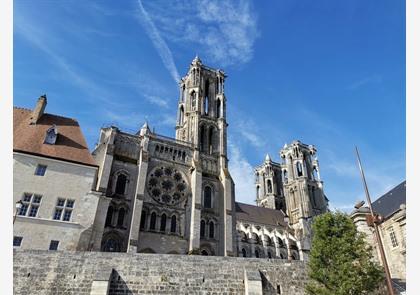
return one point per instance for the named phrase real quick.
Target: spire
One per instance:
(145, 129)
(267, 158)
(196, 60)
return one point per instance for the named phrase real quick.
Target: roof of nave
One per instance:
(29, 138)
(255, 214)
(391, 201)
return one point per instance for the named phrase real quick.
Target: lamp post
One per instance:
(18, 206)
(375, 225)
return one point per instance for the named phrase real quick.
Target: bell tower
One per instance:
(202, 110)
(303, 189)
(201, 121)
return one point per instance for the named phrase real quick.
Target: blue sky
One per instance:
(329, 73)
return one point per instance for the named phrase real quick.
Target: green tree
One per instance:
(340, 262)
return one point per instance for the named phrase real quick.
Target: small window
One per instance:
(63, 209)
(17, 241)
(67, 215)
(40, 170)
(30, 205)
(51, 135)
(257, 254)
(393, 237)
(54, 245)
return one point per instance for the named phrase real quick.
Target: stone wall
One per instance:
(48, 272)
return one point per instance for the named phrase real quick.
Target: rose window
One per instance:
(167, 185)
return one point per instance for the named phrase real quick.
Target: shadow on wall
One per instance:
(267, 286)
(118, 285)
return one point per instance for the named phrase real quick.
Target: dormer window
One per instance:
(51, 135)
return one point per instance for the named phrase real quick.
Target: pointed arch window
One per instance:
(218, 109)
(121, 183)
(153, 221)
(243, 252)
(181, 115)
(207, 197)
(211, 230)
(285, 176)
(193, 100)
(202, 137)
(202, 228)
(206, 98)
(163, 222)
(143, 220)
(211, 131)
(173, 224)
(121, 216)
(257, 254)
(258, 191)
(299, 168)
(269, 186)
(109, 214)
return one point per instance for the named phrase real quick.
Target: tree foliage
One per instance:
(340, 262)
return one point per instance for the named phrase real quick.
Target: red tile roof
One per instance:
(70, 145)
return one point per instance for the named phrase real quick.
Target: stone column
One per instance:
(195, 217)
(228, 225)
(99, 223)
(289, 252)
(276, 244)
(133, 240)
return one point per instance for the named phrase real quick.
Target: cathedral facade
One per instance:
(154, 194)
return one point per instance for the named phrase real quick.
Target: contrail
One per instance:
(160, 44)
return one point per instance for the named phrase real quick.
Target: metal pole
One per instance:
(378, 236)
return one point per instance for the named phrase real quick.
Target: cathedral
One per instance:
(149, 193)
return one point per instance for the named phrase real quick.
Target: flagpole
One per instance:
(378, 236)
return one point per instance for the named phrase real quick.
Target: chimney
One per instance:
(39, 109)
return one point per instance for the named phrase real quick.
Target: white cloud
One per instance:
(160, 44)
(242, 174)
(366, 80)
(224, 31)
(156, 100)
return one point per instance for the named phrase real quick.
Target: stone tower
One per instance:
(202, 110)
(303, 189)
(269, 187)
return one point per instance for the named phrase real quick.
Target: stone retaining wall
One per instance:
(47, 272)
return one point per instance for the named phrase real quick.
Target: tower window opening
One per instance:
(258, 191)
(109, 215)
(121, 215)
(120, 186)
(269, 186)
(218, 110)
(285, 176)
(211, 140)
(193, 100)
(202, 137)
(207, 197)
(299, 168)
(206, 98)
(181, 115)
